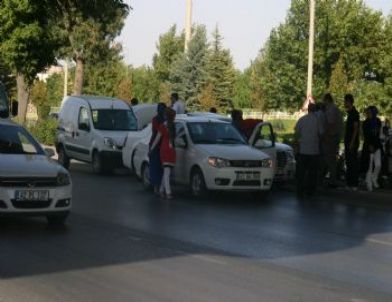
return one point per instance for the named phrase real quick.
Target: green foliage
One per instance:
(220, 68)
(189, 72)
(87, 29)
(45, 131)
(27, 42)
(145, 85)
(45, 95)
(349, 48)
(242, 89)
(169, 47)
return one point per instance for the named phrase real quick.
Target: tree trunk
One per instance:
(23, 90)
(79, 76)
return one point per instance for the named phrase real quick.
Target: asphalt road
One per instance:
(123, 244)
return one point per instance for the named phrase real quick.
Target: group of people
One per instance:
(162, 153)
(318, 136)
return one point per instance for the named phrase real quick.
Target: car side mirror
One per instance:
(14, 108)
(84, 127)
(49, 152)
(180, 142)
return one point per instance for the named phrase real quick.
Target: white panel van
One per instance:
(93, 129)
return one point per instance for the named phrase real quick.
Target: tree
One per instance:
(346, 30)
(145, 86)
(27, 43)
(38, 97)
(189, 72)
(169, 47)
(88, 29)
(221, 72)
(242, 89)
(207, 99)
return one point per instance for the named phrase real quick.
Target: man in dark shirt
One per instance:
(351, 142)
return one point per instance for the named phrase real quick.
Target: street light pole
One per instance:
(311, 48)
(188, 24)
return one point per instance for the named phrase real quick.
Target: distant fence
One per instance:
(273, 115)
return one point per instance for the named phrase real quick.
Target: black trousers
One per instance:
(352, 167)
(307, 166)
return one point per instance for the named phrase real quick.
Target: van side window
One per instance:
(83, 117)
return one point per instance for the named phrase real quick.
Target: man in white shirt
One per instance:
(307, 134)
(177, 105)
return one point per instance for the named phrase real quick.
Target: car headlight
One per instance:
(63, 179)
(110, 143)
(266, 163)
(217, 162)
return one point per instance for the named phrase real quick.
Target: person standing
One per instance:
(176, 104)
(332, 137)
(168, 152)
(351, 143)
(155, 168)
(307, 134)
(371, 150)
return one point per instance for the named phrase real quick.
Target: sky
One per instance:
(245, 24)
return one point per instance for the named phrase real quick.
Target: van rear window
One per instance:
(114, 120)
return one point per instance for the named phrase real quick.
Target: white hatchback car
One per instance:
(211, 155)
(30, 182)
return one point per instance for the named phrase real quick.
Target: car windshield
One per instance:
(16, 140)
(214, 133)
(117, 120)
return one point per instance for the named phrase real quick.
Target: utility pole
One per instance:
(188, 23)
(311, 48)
(65, 77)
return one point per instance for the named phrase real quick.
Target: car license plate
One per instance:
(248, 176)
(32, 195)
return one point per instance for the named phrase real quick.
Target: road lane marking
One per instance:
(209, 259)
(379, 241)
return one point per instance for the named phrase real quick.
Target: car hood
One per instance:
(117, 136)
(283, 147)
(13, 165)
(233, 152)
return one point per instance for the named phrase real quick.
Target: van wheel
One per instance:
(145, 175)
(63, 158)
(97, 164)
(198, 184)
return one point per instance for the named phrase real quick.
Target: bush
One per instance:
(45, 131)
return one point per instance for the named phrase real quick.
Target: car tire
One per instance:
(197, 184)
(98, 164)
(56, 219)
(145, 177)
(63, 158)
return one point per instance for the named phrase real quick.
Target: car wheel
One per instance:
(98, 164)
(146, 177)
(63, 158)
(57, 219)
(198, 184)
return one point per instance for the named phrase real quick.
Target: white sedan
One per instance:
(211, 155)
(30, 182)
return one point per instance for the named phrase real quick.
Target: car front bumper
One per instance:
(60, 201)
(228, 179)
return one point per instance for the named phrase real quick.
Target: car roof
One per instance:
(101, 102)
(197, 119)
